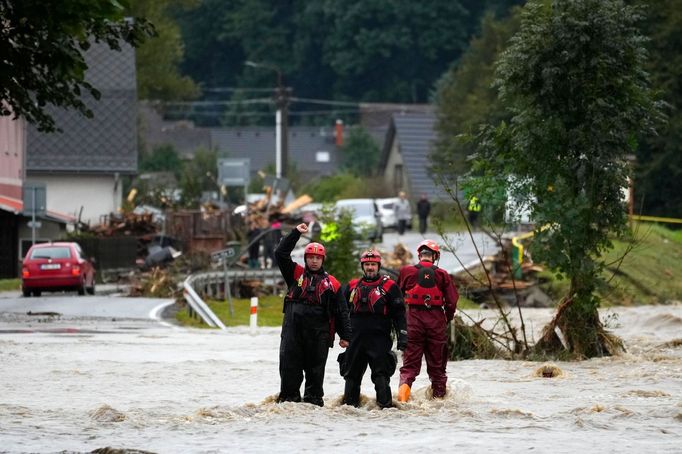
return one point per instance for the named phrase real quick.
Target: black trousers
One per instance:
(303, 349)
(422, 225)
(402, 223)
(373, 349)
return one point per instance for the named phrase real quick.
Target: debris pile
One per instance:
(127, 223)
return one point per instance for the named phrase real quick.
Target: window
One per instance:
(57, 252)
(322, 156)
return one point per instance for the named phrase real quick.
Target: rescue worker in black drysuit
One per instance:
(376, 304)
(313, 308)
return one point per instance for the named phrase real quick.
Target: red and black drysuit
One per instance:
(313, 308)
(375, 306)
(431, 299)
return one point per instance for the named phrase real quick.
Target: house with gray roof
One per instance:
(404, 163)
(82, 166)
(312, 149)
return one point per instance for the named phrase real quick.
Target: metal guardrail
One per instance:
(195, 301)
(216, 278)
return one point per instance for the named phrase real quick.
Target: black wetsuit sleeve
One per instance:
(345, 291)
(342, 315)
(283, 255)
(396, 310)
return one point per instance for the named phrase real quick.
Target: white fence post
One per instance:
(253, 322)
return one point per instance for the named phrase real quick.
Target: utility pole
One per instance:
(282, 128)
(282, 95)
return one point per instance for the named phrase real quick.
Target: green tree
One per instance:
(335, 187)
(163, 158)
(658, 177)
(338, 237)
(158, 59)
(360, 153)
(374, 50)
(198, 175)
(575, 79)
(465, 97)
(41, 52)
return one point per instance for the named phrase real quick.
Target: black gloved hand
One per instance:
(402, 340)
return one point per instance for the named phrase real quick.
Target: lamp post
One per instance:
(281, 117)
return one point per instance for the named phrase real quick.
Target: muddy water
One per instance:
(137, 385)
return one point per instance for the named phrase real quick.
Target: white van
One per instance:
(366, 217)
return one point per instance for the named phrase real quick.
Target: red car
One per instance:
(57, 266)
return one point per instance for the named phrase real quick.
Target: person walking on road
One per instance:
(474, 209)
(403, 212)
(376, 305)
(313, 308)
(431, 299)
(423, 210)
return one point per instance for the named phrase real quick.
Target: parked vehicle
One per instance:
(366, 217)
(57, 266)
(386, 208)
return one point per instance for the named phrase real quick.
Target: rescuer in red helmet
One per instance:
(376, 305)
(313, 308)
(431, 299)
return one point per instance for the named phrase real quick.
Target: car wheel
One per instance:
(81, 288)
(91, 290)
(27, 293)
(36, 293)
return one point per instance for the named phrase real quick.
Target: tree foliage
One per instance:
(158, 59)
(41, 52)
(360, 153)
(335, 187)
(198, 175)
(373, 50)
(339, 239)
(162, 158)
(658, 179)
(465, 97)
(574, 76)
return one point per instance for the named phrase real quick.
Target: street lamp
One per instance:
(282, 102)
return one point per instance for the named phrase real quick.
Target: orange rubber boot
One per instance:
(404, 393)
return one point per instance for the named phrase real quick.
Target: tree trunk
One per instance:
(579, 332)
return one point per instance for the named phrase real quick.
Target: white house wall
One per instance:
(12, 143)
(395, 158)
(98, 195)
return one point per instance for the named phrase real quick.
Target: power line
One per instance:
(236, 89)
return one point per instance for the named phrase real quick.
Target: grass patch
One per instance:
(10, 285)
(269, 312)
(649, 273)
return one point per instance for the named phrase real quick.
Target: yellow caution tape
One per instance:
(656, 219)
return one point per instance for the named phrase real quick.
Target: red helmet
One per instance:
(430, 245)
(315, 249)
(370, 256)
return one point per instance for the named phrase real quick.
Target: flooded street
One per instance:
(76, 385)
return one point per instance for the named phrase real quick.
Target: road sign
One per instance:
(234, 172)
(36, 224)
(35, 199)
(231, 251)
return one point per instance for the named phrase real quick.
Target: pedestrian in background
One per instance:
(423, 210)
(254, 244)
(403, 212)
(474, 209)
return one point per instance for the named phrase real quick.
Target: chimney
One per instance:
(339, 133)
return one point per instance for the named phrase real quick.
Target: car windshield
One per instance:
(387, 206)
(56, 252)
(361, 209)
